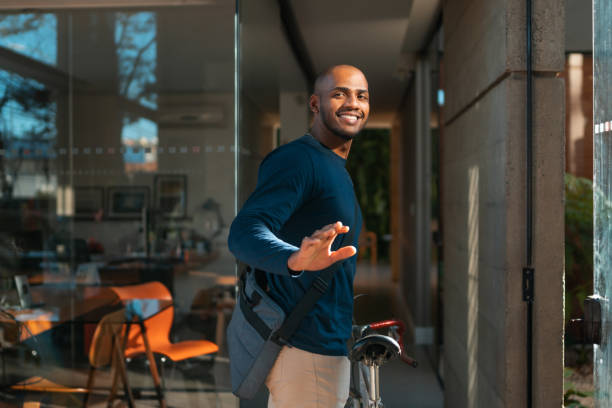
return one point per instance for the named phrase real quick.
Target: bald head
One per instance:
(330, 73)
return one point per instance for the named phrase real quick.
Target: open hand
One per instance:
(315, 251)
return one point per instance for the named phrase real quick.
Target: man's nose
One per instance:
(351, 101)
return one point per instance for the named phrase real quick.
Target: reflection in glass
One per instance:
(117, 168)
(139, 138)
(32, 35)
(602, 192)
(27, 135)
(135, 39)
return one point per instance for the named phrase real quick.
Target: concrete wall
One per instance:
(411, 202)
(483, 164)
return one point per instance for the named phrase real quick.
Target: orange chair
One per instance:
(105, 349)
(158, 327)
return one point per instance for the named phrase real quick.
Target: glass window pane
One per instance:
(117, 169)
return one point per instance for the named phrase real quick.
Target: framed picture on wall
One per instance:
(127, 202)
(88, 202)
(171, 195)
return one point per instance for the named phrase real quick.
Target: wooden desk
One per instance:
(60, 305)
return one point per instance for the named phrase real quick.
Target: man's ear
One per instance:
(314, 103)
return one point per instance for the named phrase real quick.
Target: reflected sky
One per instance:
(140, 139)
(135, 38)
(26, 109)
(32, 35)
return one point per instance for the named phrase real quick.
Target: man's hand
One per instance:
(315, 251)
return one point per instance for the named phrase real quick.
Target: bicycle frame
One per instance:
(365, 374)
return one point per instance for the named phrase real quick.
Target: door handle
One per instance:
(590, 324)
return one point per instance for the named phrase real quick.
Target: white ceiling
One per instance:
(376, 36)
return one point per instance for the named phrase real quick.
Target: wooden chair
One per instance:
(105, 349)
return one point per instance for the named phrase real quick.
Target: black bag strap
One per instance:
(247, 309)
(317, 289)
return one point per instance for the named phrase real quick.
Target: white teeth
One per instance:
(352, 119)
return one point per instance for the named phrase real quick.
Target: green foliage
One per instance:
(570, 391)
(578, 243)
(368, 165)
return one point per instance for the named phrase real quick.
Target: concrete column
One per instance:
(421, 305)
(484, 167)
(411, 202)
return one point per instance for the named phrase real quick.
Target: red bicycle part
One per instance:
(401, 327)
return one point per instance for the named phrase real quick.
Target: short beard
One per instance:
(340, 134)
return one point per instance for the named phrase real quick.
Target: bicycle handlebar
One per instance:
(401, 327)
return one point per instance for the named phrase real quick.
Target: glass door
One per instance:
(602, 192)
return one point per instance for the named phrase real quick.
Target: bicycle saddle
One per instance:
(375, 348)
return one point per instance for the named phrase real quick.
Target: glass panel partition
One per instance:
(602, 192)
(117, 168)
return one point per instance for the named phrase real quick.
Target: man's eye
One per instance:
(338, 94)
(364, 97)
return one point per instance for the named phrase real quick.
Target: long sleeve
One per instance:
(285, 180)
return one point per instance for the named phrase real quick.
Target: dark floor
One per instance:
(401, 385)
(204, 382)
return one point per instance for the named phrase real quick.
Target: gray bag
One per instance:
(258, 329)
(252, 351)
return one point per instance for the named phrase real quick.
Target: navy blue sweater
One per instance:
(302, 186)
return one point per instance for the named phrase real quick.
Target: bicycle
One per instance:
(369, 352)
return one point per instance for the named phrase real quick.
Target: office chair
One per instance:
(158, 328)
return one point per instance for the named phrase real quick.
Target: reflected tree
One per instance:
(135, 40)
(30, 34)
(27, 111)
(27, 126)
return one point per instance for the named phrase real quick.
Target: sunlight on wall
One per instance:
(472, 285)
(577, 118)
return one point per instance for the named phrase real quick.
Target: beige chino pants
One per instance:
(300, 379)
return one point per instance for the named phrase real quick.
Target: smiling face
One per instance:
(341, 102)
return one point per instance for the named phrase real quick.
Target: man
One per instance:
(295, 224)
